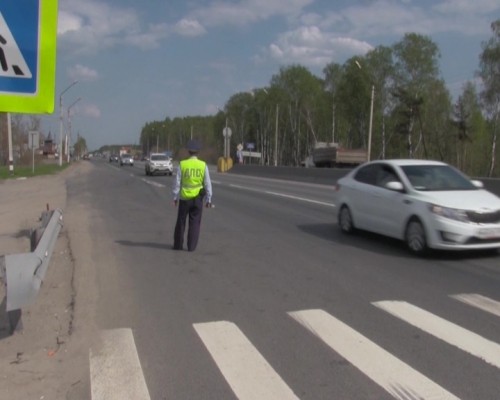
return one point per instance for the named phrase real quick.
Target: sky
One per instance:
(141, 61)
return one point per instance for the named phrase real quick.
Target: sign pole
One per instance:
(9, 134)
(225, 141)
(32, 136)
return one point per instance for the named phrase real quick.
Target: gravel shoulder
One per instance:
(48, 357)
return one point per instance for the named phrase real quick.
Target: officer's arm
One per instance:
(176, 187)
(207, 184)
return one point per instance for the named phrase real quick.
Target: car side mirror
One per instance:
(395, 186)
(478, 184)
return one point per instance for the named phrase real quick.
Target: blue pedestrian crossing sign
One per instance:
(28, 34)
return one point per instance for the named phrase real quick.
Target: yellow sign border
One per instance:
(43, 101)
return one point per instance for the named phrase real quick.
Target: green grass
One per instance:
(21, 171)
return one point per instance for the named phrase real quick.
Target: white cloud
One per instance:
(89, 26)
(381, 17)
(321, 38)
(244, 12)
(149, 39)
(311, 47)
(189, 27)
(393, 17)
(68, 22)
(467, 6)
(91, 111)
(82, 73)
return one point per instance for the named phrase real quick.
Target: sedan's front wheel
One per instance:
(415, 237)
(345, 220)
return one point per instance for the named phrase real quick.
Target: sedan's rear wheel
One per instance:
(415, 237)
(345, 220)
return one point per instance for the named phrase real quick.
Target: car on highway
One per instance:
(427, 204)
(126, 159)
(113, 157)
(159, 163)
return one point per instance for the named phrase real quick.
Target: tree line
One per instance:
(413, 114)
(396, 92)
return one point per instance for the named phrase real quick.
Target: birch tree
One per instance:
(489, 71)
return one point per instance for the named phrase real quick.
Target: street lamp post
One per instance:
(61, 120)
(68, 140)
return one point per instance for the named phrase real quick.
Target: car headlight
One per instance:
(451, 213)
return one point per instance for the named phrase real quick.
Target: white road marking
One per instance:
(481, 302)
(243, 367)
(153, 183)
(301, 199)
(283, 195)
(245, 188)
(396, 377)
(115, 369)
(449, 332)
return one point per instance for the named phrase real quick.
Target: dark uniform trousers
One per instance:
(193, 208)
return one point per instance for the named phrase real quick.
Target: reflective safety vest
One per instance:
(192, 176)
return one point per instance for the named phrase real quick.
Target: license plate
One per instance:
(489, 233)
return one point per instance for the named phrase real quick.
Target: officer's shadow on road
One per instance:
(151, 245)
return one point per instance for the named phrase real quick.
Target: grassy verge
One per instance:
(22, 171)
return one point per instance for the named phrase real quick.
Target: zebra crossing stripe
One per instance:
(246, 371)
(481, 302)
(396, 377)
(115, 369)
(449, 332)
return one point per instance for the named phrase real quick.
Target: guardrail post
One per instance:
(23, 273)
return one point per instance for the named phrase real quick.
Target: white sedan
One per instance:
(159, 163)
(428, 204)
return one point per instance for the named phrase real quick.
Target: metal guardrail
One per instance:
(24, 273)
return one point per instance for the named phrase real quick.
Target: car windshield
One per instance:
(159, 157)
(436, 178)
(126, 156)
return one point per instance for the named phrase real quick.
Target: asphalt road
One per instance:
(276, 303)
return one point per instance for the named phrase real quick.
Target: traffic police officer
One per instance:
(192, 186)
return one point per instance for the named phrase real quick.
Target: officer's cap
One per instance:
(193, 146)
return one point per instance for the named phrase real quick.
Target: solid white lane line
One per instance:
(396, 377)
(288, 196)
(248, 373)
(322, 203)
(449, 332)
(153, 183)
(481, 302)
(115, 369)
(245, 188)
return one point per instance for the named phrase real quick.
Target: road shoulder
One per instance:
(48, 357)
